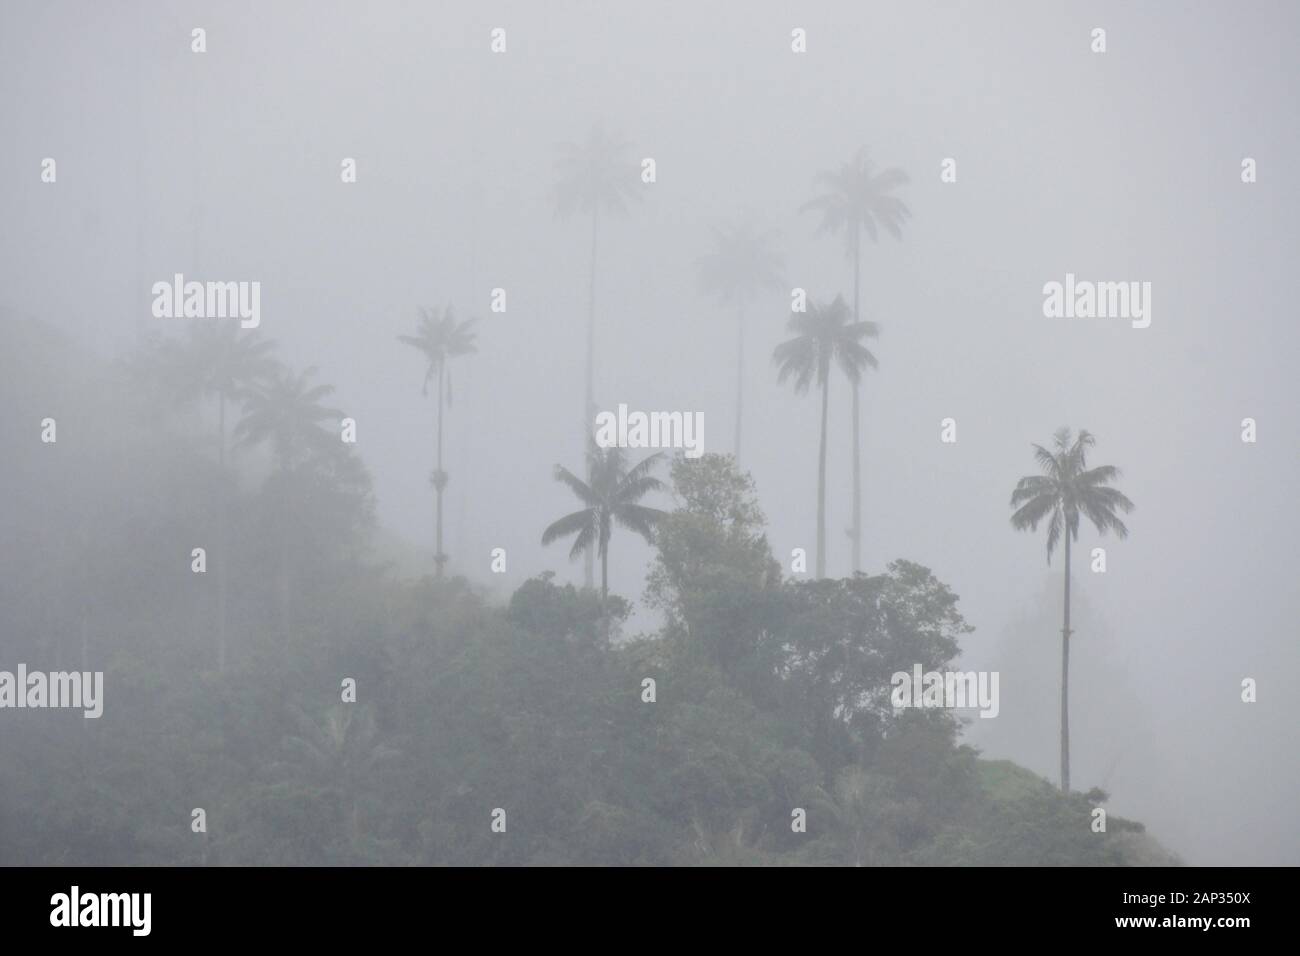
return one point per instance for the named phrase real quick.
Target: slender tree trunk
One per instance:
(1065, 677)
(286, 609)
(440, 480)
(223, 534)
(589, 402)
(604, 583)
(821, 481)
(857, 430)
(740, 375)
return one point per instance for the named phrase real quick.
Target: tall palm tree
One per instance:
(440, 337)
(741, 265)
(220, 361)
(288, 414)
(610, 498)
(595, 176)
(823, 335)
(858, 198)
(1067, 488)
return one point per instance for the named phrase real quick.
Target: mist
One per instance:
(225, 166)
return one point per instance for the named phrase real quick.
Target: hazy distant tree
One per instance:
(223, 362)
(217, 360)
(339, 755)
(288, 414)
(597, 175)
(823, 335)
(1067, 488)
(742, 265)
(440, 337)
(858, 198)
(610, 498)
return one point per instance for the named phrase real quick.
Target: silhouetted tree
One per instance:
(611, 498)
(287, 413)
(595, 176)
(224, 362)
(440, 337)
(823, 335)
(741, 266)
(858, 199)
(1067, 488)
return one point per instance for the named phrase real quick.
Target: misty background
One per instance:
(1122, 166)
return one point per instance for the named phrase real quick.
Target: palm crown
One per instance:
(1066, 489)
(611, 498)
(858, 198)
(440, 337)
(596, 175)
(287, 412)
(822, 335)
(216, 359)
(742, 262)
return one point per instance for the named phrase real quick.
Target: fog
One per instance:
(1117, 166)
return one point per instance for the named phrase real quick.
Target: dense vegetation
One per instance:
(771, 694)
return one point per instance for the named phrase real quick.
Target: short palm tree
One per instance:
(859, 198)
(287, 412)
(440, 337)
(743, 264)
(1066, 489)
(289, 415)
(597, 175)
(824, 335)
(341, 754)
(610, 498)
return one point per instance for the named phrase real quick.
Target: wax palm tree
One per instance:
(858, 198)
(216, 360)
(440, 338)
(1066, 489)
(610, 498)
(223, 362)
(341, 755)
(741, 266)
(597, 175)
(287, 413)
(823, 335)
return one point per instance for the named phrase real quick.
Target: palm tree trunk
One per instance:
(604, 575)
(589, 402)
(285, 598)
(604, 584)
(740, 375)
(222, 535)
(440, 480)
(821, 481)
(857, 431)
(1065, 677)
